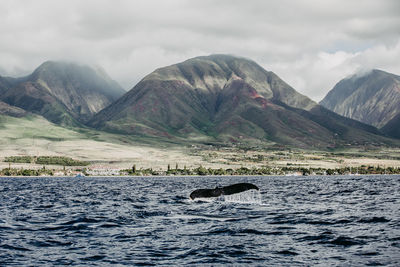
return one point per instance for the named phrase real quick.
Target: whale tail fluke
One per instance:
(226, 190)
(238, 188)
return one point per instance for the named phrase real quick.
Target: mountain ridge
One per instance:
(373, 98)
(63, 92)
(228, 98)
(207, 99)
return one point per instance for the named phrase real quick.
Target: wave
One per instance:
(246, 197)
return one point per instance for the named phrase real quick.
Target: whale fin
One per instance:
(202, 193)
(218, 191)
(238, 188)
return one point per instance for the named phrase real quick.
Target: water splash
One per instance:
(249, 196)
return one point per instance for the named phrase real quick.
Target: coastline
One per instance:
(250, 163)
(200, 176)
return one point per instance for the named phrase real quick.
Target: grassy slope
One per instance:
(36, 136)
(33, 135)
(17, 129)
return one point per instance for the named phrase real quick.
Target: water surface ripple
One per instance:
(343, 221)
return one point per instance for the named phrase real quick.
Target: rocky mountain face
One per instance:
(64, 93)
(372, 98)
(231, 99)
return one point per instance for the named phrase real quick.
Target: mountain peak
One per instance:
(57, 72)
(222, 58)
(225, 98)
(53, 65)
(64, 92)
(372, 97)
(369, 73)
(211, 73)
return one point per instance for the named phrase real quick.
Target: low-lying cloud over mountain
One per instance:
(310, 44)
(64, 93)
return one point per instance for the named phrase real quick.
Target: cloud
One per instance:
(315, 74)
(311, 44)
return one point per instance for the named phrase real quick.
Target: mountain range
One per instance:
(209, 99)
(230, 99)
(372, 98)
(63, 93)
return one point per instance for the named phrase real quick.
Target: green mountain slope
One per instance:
(228, 99)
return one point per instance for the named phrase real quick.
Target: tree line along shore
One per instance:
(83, 168)
(46, 160)
(202, 171)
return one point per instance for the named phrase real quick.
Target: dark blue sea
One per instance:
(295, 221)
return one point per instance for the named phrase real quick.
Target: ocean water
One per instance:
(294, 221)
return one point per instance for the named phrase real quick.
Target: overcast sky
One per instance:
(311, 44)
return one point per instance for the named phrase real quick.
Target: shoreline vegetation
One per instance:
(202, 171)
(46, 160)
(82, 167)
